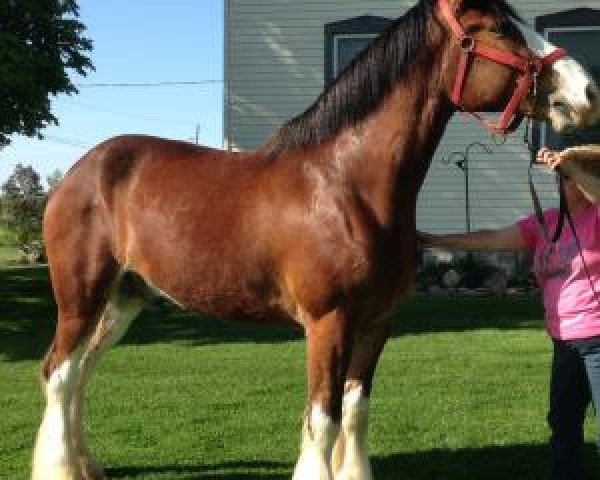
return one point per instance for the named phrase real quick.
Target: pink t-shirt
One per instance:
(571, 308)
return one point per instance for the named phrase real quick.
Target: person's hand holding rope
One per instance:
(550, 158)
(581, 163)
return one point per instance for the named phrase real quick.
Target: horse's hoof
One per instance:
(361, 473)
(58, 473)
(90, 470)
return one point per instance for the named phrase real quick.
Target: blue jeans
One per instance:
(575, 381)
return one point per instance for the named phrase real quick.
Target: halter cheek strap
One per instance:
(527, 67)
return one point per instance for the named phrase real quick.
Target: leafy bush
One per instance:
(474, 271)
(430, 274)
(8, 238)
(21, 210)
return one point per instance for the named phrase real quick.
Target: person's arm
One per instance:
(582, 164)
(508, 238)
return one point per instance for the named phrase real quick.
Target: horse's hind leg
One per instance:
(124, 304)
(350, 458)
(60, 452)
(54, 455)
(83, 272)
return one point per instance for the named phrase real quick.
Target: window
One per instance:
(344, 40)
(578, 31)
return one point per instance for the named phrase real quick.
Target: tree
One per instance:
(54, 179)
(24, 181)
(23, 202)
(41, 41)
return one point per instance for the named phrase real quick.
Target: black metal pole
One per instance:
(467, 196)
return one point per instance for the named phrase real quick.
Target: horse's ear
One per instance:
(456, 5)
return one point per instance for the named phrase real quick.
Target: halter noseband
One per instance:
(528, 68)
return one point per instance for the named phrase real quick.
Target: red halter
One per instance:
(528, 69)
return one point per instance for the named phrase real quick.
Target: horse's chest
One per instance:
(369, 274)
(393, 278)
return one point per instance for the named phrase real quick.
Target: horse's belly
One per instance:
(220, 289)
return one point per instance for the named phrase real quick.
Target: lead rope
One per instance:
(582, 256)
(564, 212)
(537, 207)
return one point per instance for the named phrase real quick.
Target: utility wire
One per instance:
(65, 141)
(148, 84)
(96, 108)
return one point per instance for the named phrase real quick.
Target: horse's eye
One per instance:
(472, 29)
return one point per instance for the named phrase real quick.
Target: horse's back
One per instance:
(114, 173)
(220, 233)
(185, 218)
(98, 184)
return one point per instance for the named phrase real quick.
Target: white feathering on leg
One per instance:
(318, 434)
(351, 456)
(53, 456)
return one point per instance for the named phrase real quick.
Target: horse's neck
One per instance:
(387, 156)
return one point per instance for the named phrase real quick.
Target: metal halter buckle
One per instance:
(467, 43)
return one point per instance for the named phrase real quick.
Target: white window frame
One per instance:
(344, 36)
(361, 27)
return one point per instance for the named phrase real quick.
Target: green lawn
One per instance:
(7, 236)
(7, 255)
(460, 393)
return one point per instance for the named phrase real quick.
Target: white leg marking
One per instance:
(53, 456)
(318, 434)
(113, 324)
(89, 469)
(351, 459)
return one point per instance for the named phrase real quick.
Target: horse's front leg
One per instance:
(329, 344)
(350, 459)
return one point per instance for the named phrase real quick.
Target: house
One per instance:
(279, 54)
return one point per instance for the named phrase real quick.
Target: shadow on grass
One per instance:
(27, 317)
(27, 320)
(26, 313)
(515, 462)
(260, 470)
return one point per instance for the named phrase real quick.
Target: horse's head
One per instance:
(498, 63)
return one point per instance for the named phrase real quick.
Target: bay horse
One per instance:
(316, 228)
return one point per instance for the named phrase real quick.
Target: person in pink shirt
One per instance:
(570, 284)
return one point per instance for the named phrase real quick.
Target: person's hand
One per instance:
(550, 158)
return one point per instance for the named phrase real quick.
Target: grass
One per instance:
(7, 236)
(8, 255)
(460, 393)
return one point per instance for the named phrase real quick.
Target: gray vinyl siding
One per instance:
(274, 69)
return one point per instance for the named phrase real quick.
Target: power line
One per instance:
(65, 141)
(149, 84)
(96, 108)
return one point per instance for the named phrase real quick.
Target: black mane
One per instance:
(363, 85)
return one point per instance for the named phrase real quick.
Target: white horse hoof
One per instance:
(57, 473)
(353, 474)
(90, 470)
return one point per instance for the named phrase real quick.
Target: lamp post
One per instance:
(461, 160)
